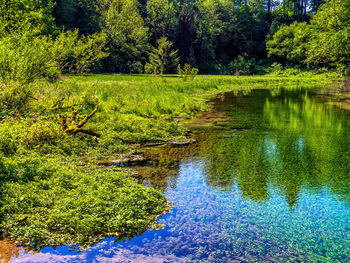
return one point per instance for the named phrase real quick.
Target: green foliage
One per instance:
(77, 54)
(275, 68)
(330, 44)
(290, 43)
(18, 15)
(127, 35)
(161, 19)
(39, 133)
(207, 33)
(135, 67)
(14, 97)
(49, 202)
(187, 72)
(325, 42)
(210, 26)
(80, 14)
(8, 139)
(24, 58)
(242, 66)
(163, 59)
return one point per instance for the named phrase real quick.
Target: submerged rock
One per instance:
(171, 143)
(127, 161)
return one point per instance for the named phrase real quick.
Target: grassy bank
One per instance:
(52, 190)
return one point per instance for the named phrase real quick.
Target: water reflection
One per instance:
(272, 185)
(301, 143)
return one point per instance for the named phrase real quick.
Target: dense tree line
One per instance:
(325, 41)
(217, 36)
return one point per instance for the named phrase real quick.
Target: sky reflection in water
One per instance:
(278, 191)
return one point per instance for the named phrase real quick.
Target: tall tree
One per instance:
(163, 59)
(331, 38)
(186, 33)
(127, 34)
(81, 14)
(209, 28)
(161, 19)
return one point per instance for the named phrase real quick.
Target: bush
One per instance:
(8, 144)
(14, 97)
(135, 67)
(76, 54)
(148, 68)
(290, 43)
(187, 72)
(242, 66)
(38, 133)
(275, 68)
(24, 58)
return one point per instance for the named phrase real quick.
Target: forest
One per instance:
(88, 83)
(215, 36)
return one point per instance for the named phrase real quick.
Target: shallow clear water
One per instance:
(273, 185)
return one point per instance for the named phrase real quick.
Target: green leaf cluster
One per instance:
(47, 201)
(291, 42)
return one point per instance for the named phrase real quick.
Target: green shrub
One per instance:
(88, 101)
(148, 68)
(77, 54)
(292, 71)
(242, 66)
(135, 67)
(187, 72)
(15, 97)
(25, 58)
(275, 68)
(38, 133)
(290, 42)
(8, 144)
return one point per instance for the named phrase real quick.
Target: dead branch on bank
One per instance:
(71, 127)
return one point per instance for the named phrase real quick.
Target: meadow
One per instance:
(54, 134)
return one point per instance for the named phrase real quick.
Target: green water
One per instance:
(272, 185)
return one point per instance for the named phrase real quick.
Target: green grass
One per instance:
(52, 192)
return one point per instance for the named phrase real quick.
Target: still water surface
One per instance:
(272, 185)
